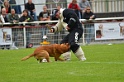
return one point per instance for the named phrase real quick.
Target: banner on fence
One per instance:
(104, 31)
(5, 36)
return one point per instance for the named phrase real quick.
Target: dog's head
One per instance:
(65, 46)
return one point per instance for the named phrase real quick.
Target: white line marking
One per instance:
(105, 62)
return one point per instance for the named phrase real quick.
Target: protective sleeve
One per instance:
(58, 26)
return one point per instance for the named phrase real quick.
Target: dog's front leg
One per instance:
(57, 57)
(61, 59)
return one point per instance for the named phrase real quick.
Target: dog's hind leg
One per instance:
(38, 60)
(44, 55)
(48, 60)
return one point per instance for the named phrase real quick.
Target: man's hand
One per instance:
(92, 17)
(52, 30)
(67, 28)
(34, 10)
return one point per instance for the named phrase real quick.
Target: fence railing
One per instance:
(103, 30)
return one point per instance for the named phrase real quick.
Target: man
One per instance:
(12, 17)
(90, 30)
(31, 8)
(69, 20)
(44, 16)
(3, 16)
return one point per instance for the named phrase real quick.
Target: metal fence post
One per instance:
(24, 32)
(83, 35)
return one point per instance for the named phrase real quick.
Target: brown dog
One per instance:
(44, 52)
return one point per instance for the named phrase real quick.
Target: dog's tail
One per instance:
(27, 57)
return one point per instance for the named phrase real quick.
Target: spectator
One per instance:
(4, 17)
(15, 6)
(83, 4)
(6, 5)
(88, 14)
(13, 17)
(25, 17)
(31, 8)
(73, 5)
(44, 16)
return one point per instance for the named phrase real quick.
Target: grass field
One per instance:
(105, 63)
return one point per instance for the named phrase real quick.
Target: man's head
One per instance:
(12, 11)
(58, 7)
(83, 0)
(44, 8)
(29, 1)
(74, 1)
(88, 10)
(3, 11)
(56, 13)
(25, 12)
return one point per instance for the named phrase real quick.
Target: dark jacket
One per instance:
(71, 18)
(13, 17)
(87, 15)
(30, 7)
(23, 18)
(6, 19)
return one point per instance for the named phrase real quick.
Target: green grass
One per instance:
(104, 64)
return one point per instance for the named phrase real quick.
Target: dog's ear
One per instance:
(67, 44)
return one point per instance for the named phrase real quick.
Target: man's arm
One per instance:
(33, 7)
(9, 19)
(26, 6)
(57, 27)
(72, 20)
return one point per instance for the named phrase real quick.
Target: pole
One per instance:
(24, 32)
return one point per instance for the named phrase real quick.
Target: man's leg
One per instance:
(73, 39)
(80, 54)
(66, 55)
(35, 16)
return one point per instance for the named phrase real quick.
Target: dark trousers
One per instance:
(17, 9)
(72, 38)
